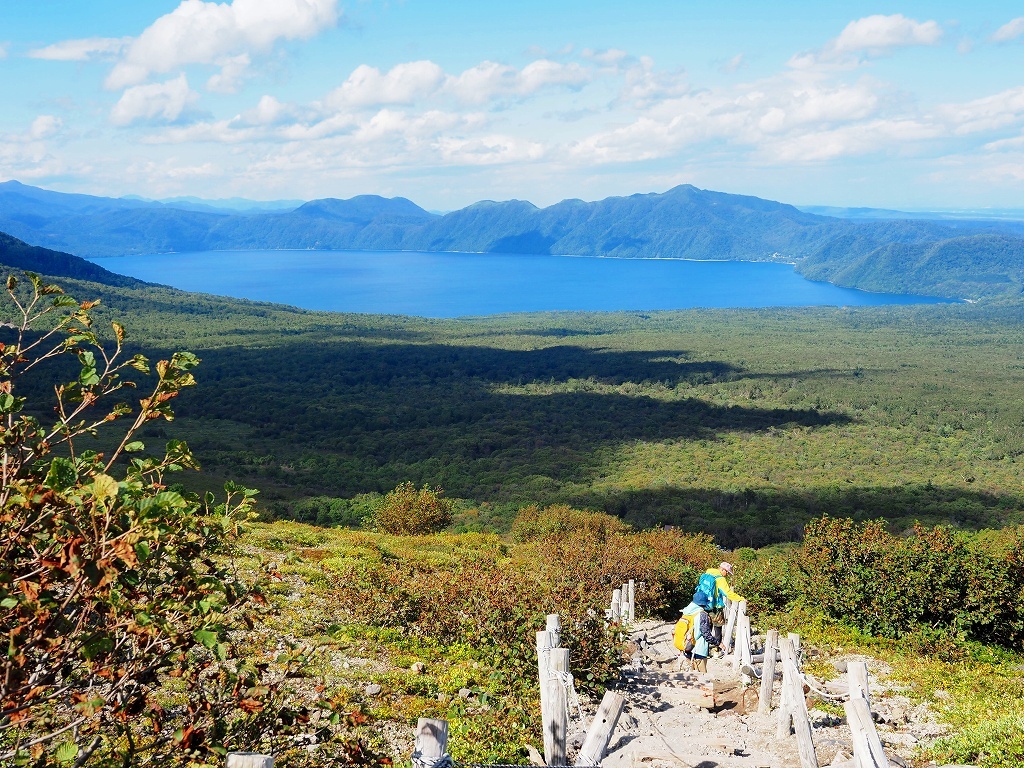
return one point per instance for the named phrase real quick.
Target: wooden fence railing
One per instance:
(557, 693)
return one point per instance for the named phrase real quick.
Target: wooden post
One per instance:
(616, 605)
(554, 625)
(545, 643)
(556, 721)
(794, 638)
(632, 601)
(785, 695)
(431, 741)
(742, 652)
(249, 760)
(771, 645)
(747, 656)
(857, 675)
(867, 747)
(601, 729)
(793, 689)
(733, 613)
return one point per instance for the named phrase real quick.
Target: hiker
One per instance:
(697, 637)
(712, 590)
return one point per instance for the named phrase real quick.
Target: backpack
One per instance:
(708, 595)
(683, 633)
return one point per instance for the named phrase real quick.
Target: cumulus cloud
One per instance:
(870, 36)
(848, 140)
(83, 49)
(43, 127)
(268, 111)
(645, 85)
(488, 150)
(490, 79)
(402, 84)
(198, 32)
(1001, 145)
(422, 81)
(760, 116)
(880, 33)
(1011, 30)
(610, 57)
(231, 75)
(985, 114)
(156, 102)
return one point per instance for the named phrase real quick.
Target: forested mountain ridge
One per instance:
(20, 255)
(950, 258)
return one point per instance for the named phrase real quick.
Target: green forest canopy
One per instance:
(742, 423)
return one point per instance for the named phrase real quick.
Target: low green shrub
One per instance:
(406, 510)
(934, 577)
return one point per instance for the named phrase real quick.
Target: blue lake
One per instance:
(459, 284)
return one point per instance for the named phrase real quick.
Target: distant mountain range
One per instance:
(956, 257)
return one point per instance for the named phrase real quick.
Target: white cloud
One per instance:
(83, 49)
(220, 132)
(490, 79)
(1016, 142)
(882, 33)
(268, 111)
(422, 81)
(488, 150)
(609, 57)
(198, 32)
(402, 84)
(1011, 30)
(160, 102)
(872, 36)
(232, 72)
(646, 85)
(754, 116)
(3, 50)
(985, 114)
(733, 64)
(847, 141)
(43, 127)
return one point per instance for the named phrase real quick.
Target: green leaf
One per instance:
(88, 377)
(135, 446)
(66, 752)
(62, 474)
(10, 403)
(96, 646)
(64, 301)
(206, 637)
(142, 550)
(9, 602)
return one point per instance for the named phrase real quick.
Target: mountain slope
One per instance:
(20, 255)
(950, 258)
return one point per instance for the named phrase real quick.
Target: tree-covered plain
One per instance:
(741, 423)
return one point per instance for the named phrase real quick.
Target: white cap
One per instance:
(725, 568)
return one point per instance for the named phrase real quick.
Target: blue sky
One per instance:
(907, 105)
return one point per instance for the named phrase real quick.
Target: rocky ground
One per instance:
(665, 724)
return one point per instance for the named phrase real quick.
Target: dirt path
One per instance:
(663, 724)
